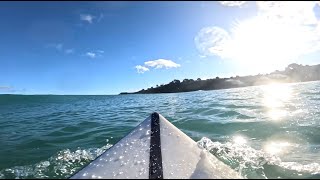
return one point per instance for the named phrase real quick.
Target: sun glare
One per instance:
(240, 140)
(262, 44)
(277, 147)
(279, 34)
(274, 98)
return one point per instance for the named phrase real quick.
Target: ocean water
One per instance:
(270, 131)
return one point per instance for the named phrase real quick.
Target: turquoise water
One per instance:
(262, 132)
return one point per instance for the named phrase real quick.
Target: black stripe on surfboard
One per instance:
(155, 162)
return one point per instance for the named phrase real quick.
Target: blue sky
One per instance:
(112, 47)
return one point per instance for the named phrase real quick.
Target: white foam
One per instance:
(61, 165)
(245, 158)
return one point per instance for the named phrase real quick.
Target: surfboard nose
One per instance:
(156, 149)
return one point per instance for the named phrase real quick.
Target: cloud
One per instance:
(69, 51)
(87, 17)
(141, 69)
(280, 31)
(162, 63)
(232, 3)
(94, 54)
(157, 64)
(91, 54)
(60, 47)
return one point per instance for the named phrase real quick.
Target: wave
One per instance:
(62, 165)
(252, 163)
(249, 162)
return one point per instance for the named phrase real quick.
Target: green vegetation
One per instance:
(292, 73)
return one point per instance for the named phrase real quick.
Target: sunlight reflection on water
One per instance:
(277, 147)
(275, 97)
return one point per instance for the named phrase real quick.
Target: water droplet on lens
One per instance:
(147, 132)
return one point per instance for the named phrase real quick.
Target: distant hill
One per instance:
(292, 73)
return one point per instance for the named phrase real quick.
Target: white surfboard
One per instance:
(156, 149)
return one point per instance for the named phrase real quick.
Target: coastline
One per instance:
(293, 73)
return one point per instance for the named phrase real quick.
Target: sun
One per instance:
(279, 34)
(263, 44)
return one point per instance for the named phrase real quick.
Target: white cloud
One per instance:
(161, 63)
(232, 3)
(87, 17)
(141, 69)
(91, 54)
(69, 51)
(157, 64)
(280, 32)
(94, 54)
